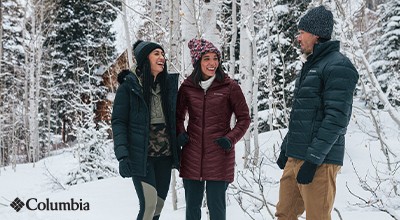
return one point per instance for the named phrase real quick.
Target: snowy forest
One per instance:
(56, 55)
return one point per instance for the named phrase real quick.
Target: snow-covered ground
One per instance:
(115, 198)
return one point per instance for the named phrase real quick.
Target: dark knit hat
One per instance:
(317, 21)
(142, 49)
(198, 47)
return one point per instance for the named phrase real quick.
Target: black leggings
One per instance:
(152, 189)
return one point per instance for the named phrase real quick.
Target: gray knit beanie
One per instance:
(317, 21)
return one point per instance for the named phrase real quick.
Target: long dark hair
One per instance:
(197, 74)
(144, 73)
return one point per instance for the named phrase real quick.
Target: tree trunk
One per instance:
(246, 63)
(189, 24)
(13, 149)
(175, 55)
(127, 35)
(174, 66)
(255, 103)
(1, 49)
(1, 86)
(232, 60)
(33, 74)
(209, 25)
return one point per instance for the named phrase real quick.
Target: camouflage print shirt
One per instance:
(158, 138)
(158, 141)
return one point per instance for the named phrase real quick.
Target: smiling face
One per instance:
(306, 41)
(157, 61)
(209, 64)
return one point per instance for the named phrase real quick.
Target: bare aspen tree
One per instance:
(269, 83)
(13, 148)
(26, 74)
(190, 19)
(209, 22)
(33, 62)
(1, 87)
(256, 73)
(246, 64)
(40, 67)
(127, 35)
(153, 17)
(175, 56)
(1, 43)
(174, 66)
(232, 60)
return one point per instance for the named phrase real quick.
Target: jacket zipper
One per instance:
(147, 128)
(202, 135)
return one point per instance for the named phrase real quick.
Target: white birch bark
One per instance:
(152, 9)
(245, 69)
(127, 35)
(174, 59)
(32, 88)
(255, 103)
(164, 19)
(209, 22)
(33, 151)
(232, 60)
(13, 149)
(190, 25)
(1, 86)
(270, 86)
(38, 63)
(26, 68)
(173, 65)
(1, 48)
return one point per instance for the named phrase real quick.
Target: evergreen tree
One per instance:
(94, 152)
(385, 52)
(13, 130)
(80, 44)
(282, 16)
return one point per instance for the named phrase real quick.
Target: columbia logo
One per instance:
(17, 204)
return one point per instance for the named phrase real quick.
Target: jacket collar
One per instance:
(189, 82)
(322, 49)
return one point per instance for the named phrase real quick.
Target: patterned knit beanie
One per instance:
(198, 47)
(142, 49)
(317, 21)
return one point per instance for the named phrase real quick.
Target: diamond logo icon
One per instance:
(17, 204)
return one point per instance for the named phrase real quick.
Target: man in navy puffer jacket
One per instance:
(312, 151)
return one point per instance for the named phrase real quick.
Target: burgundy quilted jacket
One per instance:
(210, 118)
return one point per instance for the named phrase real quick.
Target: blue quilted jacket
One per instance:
(322, 106)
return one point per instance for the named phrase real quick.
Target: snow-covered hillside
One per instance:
(115, 198)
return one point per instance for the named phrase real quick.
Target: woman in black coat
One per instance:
(144, 127)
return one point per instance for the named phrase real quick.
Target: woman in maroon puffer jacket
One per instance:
(209, 97)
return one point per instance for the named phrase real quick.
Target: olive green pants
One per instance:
(316, 198)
